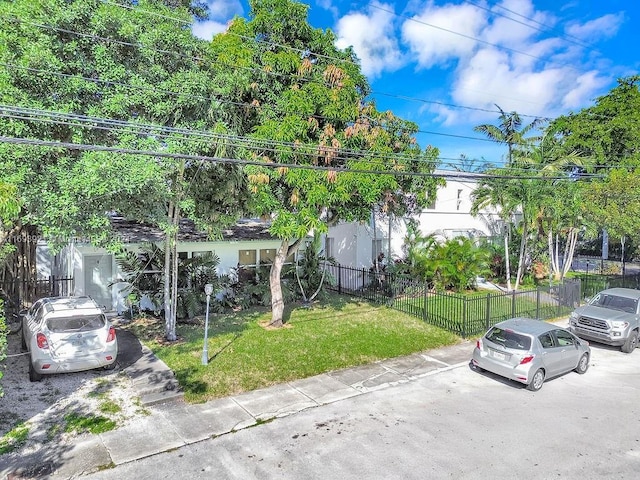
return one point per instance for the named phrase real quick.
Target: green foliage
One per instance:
(144, 275)
(13, 439)
(310, 271)
(74, 422)
(311, 98)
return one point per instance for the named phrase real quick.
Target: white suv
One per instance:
(67, 334)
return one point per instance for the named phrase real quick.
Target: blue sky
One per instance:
(446, 64)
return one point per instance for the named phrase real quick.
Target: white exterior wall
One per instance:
(75, 256)
(451, 217)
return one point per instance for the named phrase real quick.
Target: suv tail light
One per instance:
(112, 335)
(526, 359)
(41, 340)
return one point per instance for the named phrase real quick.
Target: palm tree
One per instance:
(509, 131)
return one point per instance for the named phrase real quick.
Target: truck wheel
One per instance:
(631, 343)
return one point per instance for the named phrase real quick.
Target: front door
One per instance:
(98, 273)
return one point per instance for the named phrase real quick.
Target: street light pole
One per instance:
(208, 290)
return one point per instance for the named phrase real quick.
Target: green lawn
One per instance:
(245, 355)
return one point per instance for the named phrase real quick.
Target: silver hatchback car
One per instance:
(530, 351)
(67, 334)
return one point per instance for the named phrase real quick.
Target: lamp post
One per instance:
(208, 290)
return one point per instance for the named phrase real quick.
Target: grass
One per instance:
(14, 438)
(93, 423)
(244, 354)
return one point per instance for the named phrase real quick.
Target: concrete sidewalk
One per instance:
(174, 424)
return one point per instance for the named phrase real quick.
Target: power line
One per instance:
(213, 159)
(312, 151)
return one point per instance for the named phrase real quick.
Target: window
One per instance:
(546, 340)
(328, 247)
(564, 338)
(432, 205)
(509, 339)
(247, 257)
(267, 255)
(459, 199)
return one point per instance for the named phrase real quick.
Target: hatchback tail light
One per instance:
(41, 340)
(526, 359)
(112, 335)
(479, 344)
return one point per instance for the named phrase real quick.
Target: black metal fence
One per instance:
(464, 315)
(22, 292)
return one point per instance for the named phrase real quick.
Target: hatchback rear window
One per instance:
(76, 324)
(509, 339)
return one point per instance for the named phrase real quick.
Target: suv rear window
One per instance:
(79, 323)
(509, 339)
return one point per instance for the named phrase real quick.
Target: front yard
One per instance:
(245, 354)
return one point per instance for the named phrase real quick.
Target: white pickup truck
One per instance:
(611, 317)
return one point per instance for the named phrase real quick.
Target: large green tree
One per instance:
(609, 134)
(325, 154)
(131, 77)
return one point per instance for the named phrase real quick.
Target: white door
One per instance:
(98, 272)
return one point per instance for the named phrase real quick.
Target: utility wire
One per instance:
(313, 151)
(212, 159)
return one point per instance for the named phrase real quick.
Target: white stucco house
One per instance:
(94, 270)
(249, 243)
(449, 216)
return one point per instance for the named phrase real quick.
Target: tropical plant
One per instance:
(311, 269)
(310, 97)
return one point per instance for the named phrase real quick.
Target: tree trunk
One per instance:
(18, 274)
(277, 299)
(572, 240)
(522, 253)
(506, 261)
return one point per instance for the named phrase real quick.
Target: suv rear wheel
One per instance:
(631, 343)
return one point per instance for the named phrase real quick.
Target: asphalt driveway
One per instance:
(456, 424)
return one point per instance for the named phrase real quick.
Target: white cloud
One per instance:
(329, 6)
(224, 9)
(501, 61)
(206, 30)
(602, 27)
(372, 37)
(582, 91)
(220, 13)
(439, 35)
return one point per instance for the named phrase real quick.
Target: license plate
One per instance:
(499, 355)
(77, 343)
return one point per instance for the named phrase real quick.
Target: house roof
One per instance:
(131, 231)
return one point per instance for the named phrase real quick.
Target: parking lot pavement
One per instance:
(455, 423)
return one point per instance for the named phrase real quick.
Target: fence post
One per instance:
(464, 318)
(488, 312)
(425, 298)
(363, 279)
(538, 301)
(339, 278)
(513, 303)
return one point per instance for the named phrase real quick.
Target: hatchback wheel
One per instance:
(583, 364)
(33, 375)
(631, 343)
(537, 381)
